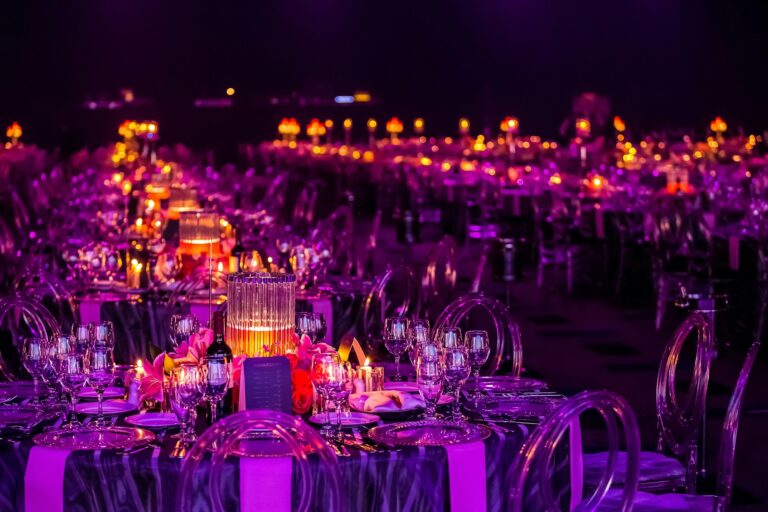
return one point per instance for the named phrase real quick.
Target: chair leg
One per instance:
(661, 302)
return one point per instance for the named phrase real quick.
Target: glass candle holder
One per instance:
(261, 308)
(199, 233)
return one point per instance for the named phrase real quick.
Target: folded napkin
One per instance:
(385, 401)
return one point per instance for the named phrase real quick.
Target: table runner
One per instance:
(44, 479)
(466, 476)
(274, 475)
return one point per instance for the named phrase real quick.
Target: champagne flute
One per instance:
(429, 379)
(396, 340)
(182, 327)
(217, 375)
(457, 369)
(187, 385)
(479, 350)
(100, 367)
(72, 376)
(33, 358)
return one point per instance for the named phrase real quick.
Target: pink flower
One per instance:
(151, 384)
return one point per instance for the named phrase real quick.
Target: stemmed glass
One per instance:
(182, 327)
(340, 386)
(306, 325)
(50, 373)
(34, 357)
(457, 369)
(418, 334)
(449, 337)
(100, 368)
(396, 340)
(187, 389)
(479, 350)
(217, 376)
(429, 379)
(321, 327)
(321, 375)
(104, 334)
(72, 376)
(83, 335)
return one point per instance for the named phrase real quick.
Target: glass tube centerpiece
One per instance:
(261, 308)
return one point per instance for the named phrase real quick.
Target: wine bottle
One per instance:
(237, 251)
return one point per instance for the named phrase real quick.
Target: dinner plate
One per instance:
(88, 393)
(522, 408)
(111, 407)
(22, 416)
(95, 438)
(348, 419)
(153, 420)
(428, 433)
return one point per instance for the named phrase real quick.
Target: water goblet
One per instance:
(33, 357)
(217, 376)
(449, 337)
(100, 368)
(72, 377)
(182, 327)
(187, 389)
(306, 325)
(418, 334)
(341, 384)
(50, 373)
(396, 340)
(479, 350)
(429, 379)
(457, 369)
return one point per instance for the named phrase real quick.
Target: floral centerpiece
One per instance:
(153, 374)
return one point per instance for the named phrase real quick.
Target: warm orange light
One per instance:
(425, 161)
(14, 131)
(583, 127)
(329, 124)
(555, 179)
(618, 124)
(315, 128)
(718, 125)
(464, 126)
(510, 125)
(418, 125)
(394, 126)
(347, 124)
(372, 124)
(230, 91)
(362, 97)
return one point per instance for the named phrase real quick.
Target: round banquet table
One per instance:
(402, 479)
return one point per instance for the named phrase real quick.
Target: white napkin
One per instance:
(385, 401)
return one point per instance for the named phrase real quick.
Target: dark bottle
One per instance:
(219, 347)
(237, 250)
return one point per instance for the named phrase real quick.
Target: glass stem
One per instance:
(338, 417)
(100, 415)
(397, 367)
(213, 411)
(456, 407)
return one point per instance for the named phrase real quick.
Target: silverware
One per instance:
(360, 445)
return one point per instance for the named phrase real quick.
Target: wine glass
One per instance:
(306, 325)
(339, 388)
(182, 327)
(321, 327)
(50, 373)
(217, 375)
(33, 357)
(418, 334)
(83, 334)
(396, 340)
(321, 375)
(104, 334)
(449, 337)
(72, 377)
(429, 379)
(457, 369)
(479, 350)
(100, 368)
(187, 389)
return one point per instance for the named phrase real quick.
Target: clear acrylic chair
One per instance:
(439, 279)
(506, 343)
(394, 292)
(721, 500)
(21, 316)
(679, 418)
(534, 465)
(50, 291)
(259, 435)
